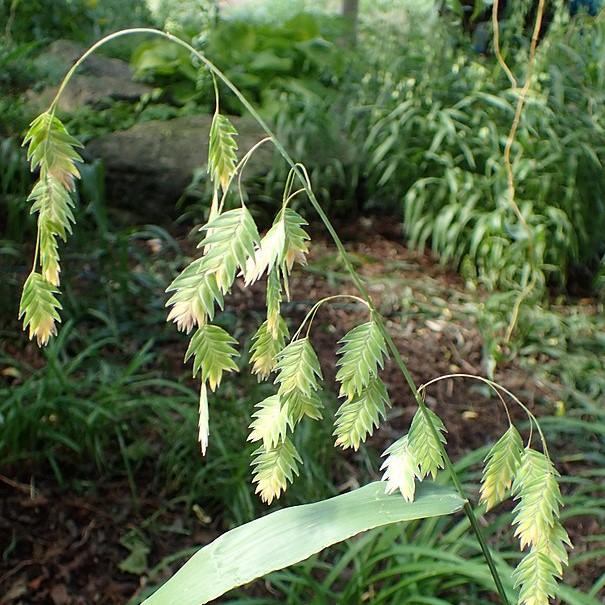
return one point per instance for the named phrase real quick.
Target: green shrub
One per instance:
(436, 139)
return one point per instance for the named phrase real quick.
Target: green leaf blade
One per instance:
(293, 534)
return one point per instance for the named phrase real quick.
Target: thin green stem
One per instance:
(310, 316)
(301, 174)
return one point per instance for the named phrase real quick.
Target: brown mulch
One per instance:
(65, 548)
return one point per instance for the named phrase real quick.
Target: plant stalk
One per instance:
(355, 277)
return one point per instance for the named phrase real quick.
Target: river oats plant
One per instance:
(231, 248)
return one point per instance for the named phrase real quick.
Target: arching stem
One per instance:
(301, 174)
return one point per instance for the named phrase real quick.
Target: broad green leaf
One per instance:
(293, 534)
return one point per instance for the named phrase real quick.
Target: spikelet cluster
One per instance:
(298, 377)
(52, 152)
(531, 478)
(415, 455)
(232, 246)
(228, 244)
(361, 356)
(536, 517)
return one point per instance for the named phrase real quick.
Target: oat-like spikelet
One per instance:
(400, 469)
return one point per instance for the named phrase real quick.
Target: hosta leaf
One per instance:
(291, 535)
(400, 469)
(266, 346)
(298, 368)
(270, 422)
(221, 152)
(229, 243)
(357, 418)
(212, 350)
(423, 445)
(274, 469)
(39, 308)
(301, 405)
(52, 149)
(502, 463)
(362, 353)
(195, 296)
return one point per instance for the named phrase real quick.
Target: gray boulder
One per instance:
(99, 79)
(149, 166)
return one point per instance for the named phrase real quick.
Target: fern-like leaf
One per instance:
(213, 353)
(357, 418)
(502, 462)
(195, 295)
(274, 469)
(301, 405)
(221, 152)
(52, 149)
(423, 445)
(229, 243)
(39, 308)
(362, 353)
(298, 368)
(400, 469)
(270, 422)
(265, 348)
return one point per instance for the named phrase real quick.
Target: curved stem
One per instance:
(302, 175)
(425, 386)
(313, 311)
(497, 387)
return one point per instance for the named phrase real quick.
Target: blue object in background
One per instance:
(591, 7)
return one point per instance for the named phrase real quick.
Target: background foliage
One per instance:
(409, 124)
